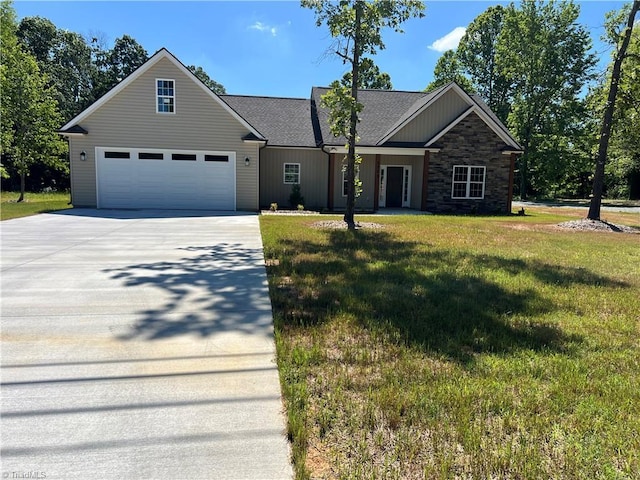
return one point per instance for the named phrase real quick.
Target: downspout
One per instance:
(260, 171)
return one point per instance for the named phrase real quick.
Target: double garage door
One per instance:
(168, 179)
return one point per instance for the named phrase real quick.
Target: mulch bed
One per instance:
(586, 225)
(341, 225)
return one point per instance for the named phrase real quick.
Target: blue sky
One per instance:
(274, 48)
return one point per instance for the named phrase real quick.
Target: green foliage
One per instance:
(29, 109)
(544, 55)
(448, 69)
(207, 80)
(341, 104)
(295, 198)
(65, 58)
(477, 55)
(623, 161)
(369, 76)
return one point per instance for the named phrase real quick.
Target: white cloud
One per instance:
(263, 27)
(450, 41)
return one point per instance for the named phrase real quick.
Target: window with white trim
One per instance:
(468, 181)
(345, 184)
(165, 96)
(291, 173)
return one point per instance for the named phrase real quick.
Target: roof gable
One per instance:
(460, 105)
(427, 117)
(155, 58)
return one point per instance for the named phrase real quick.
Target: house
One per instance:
(162, 139)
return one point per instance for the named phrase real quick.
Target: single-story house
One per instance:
(162, 139)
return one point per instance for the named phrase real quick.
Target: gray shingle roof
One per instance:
(299, 122)
(283, 121)
(382, 109)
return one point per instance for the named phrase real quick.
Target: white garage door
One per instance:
(172, 179)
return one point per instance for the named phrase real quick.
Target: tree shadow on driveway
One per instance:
(211, 289)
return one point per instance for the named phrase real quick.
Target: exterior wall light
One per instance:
(83, 155)
(247, 161)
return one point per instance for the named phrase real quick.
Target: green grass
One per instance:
(458, 347)
(33, 204)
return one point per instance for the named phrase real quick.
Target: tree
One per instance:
(65, 58)
(448, 69)
(357, 26)
(29, 111)
(369, 77)
(478, 57)
(113, 66)
(207, 80)
(605, 131)
(543, 54)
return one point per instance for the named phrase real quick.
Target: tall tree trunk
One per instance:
(22, 187)
(351, 155)
(605, 131)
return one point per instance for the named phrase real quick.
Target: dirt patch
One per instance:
(340, 224)
(587, 225)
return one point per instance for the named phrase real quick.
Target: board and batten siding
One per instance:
(431, 121)
(129, 119)
(368, 176)
(314, 172)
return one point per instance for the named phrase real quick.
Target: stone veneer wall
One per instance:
(470, 142)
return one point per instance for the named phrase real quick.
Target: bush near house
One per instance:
(458, 347)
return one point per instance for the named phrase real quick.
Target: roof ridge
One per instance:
(422, 92)
(262, 96)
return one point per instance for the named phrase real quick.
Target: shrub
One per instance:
(296, 197)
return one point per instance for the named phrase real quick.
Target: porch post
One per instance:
(376, 186)
(332, 175)
(425, 180)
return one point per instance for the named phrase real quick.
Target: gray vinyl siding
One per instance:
(129, 119)
(417, 167)
(314, 172)
(431, 121)
(368, 176)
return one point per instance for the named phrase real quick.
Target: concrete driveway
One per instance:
(138, 344)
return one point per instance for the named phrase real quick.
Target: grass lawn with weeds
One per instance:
(458, 347)
(33, 203)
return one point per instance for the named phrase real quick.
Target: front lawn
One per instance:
(458, 347)
(33, 203)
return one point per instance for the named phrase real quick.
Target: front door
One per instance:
(394, 187)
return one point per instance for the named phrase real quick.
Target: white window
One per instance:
(345, 184)
(468, 182)
(165, 96)
(291, 173)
